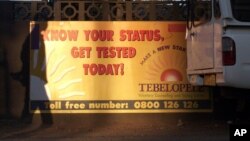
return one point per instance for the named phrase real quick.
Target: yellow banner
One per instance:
(111, 67)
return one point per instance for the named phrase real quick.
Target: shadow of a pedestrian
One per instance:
(33, 73)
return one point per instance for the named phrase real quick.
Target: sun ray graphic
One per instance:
(68, 83)
(57, 64)
(166, 67)
(63, 73)
(63, 81)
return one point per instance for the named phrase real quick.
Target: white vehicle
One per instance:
(218, 43)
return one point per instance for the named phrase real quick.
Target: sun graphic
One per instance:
(168, 66)
(171, 75)
(62, 75)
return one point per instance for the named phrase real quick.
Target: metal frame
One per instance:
(101, 10)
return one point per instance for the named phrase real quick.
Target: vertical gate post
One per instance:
(57, 11)
(128, 10)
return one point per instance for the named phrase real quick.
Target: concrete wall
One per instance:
(2, 85)
(12, 36)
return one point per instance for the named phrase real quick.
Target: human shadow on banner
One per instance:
(33, 60)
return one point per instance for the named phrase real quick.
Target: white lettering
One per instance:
(240, 132)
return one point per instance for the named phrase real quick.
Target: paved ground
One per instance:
(119, 127)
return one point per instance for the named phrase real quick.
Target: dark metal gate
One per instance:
(102, 10)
